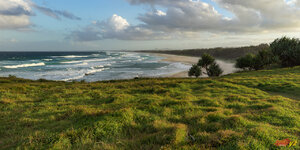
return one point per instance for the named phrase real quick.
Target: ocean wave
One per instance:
(96, 55)
(95, 71)
(85, 61)
(89, 72)
(24, 65)
(74, 78)
(97, 60)
(100, 66)
(47, 59)
(71, 62)
(71, 56)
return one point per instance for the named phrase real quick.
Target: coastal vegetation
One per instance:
(195, 70)
(247, 110)
(284, 52)
(230, 53)
(207, 62)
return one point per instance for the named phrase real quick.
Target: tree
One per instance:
(259, 61)
(206, 60)
(287, 50)
(263, 59)
(195, 71)
(245, 62)
(214, 70)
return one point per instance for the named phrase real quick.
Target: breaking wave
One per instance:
(24, 65)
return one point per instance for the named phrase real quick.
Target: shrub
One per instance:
(206, 60)
(195, 71)
(259, 61)
(245, 62)
(263, 59)
(287, 50)
(214, 70)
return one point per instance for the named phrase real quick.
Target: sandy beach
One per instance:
(227, 66)
(175, 58)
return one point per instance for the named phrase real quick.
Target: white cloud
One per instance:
(117, 23)
(115, 27)
(249, 15)
(160, 13)
(14, 7)
(188, 18)
(14, 14)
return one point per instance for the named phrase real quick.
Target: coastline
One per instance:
(227, 66)
(188, 60)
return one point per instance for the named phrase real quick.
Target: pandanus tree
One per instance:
(209, 64)
(195, 71)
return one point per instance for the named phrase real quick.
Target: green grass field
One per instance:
(248, 110)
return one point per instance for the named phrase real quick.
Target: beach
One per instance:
(182, 59)
(176, 58)
(227, 66)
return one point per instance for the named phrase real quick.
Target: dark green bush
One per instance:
(245, 62)
(287, 50)
(195, 71)
(214, 70)
(206, 60)
(263, 59)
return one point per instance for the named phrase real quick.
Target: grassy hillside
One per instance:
(240, 111)
(219, 52)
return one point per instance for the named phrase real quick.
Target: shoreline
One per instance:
(188, 60)
(227, 66)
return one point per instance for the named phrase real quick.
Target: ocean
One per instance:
(88, 66)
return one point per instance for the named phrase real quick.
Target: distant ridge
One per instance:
(219, 52)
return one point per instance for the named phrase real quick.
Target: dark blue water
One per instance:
(89, 66)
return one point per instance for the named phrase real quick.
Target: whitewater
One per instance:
(88, 66)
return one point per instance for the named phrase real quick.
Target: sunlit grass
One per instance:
(249, 110)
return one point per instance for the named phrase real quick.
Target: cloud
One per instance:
(269, 15)
(115, 27)
(194, 17)
(14, 14)
(15, 8)
(56, 13)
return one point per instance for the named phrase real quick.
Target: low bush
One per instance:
(207, 62)
(195, 71)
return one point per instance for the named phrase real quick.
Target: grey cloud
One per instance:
(115, 27)
(56, 13)
(186, 18)
(271, 14)
(15, 14)
(249, 15)
(16, 11)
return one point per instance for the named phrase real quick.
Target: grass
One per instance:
(249, 110)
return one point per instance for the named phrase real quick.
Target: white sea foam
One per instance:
(85, 61)
(47, 59)
(95, 71)
(71, 56)
(71, 62)
(74, 78)
(88, 72)
(24, 65)
(96, 60)
(100, 66)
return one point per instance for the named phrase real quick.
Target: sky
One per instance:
(84, 25)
